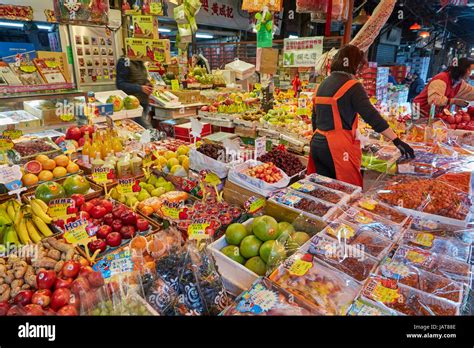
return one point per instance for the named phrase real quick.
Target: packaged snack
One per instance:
(329, 290)
(405, 300)
(334, 184)
(443, 246)
(266, 298)
(345, 258)
(382, 210)
(442, 230)
(298, 201)
(365, 308)
(422, 280)
(437, 264)
(320, 192)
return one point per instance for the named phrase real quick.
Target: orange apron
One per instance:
(345, 148)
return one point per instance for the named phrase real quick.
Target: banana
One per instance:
(38, 211)
(11, 210)
(10, 236)
(43, 205)
(22, 232)
(42, 227)
(18, 217)
(32, 232)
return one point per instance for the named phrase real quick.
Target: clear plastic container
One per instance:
(302, 203)
(332, 292)
(443, 230)
(334, 184)
(362, 307)
(405, 300)
(323, 193)
(265, 298)
(422, 280)
(383, 210)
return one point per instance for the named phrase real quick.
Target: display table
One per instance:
(185, 110)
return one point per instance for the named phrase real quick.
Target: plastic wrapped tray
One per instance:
(422, 280)
(334, 184)
(266, 298)
(444, 246)
(331, 291)
(323, 193)
(405, 300)
(437, 264)
(381, 209)
(443, 230)
(362, 307)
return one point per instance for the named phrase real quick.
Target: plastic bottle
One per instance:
(94, 148)
(97, 162)
(116, 144)
(86, 150)
(136, 164)
(124, 169)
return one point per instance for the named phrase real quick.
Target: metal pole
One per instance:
(348, 26)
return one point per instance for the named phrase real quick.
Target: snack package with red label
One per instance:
(443, 246)
(265, 298)
(331, 291)
(391, 294)
(434, 263)
(422, 280)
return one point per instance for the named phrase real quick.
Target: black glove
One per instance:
(404, 148)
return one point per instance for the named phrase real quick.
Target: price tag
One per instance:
(300, 267)
(5, 143)
(101, 175)
(197, 231)
(11, 177)
(170, 212)
(385, 295)
(260, 146)
(255, 204)
(424, 239)
(416, 257)
(174, 85)
(115, 263)
(75, 232)
(59, 207)
(296, 186)
(126, 186)
(12, 133)
(368, 204)
(67, 146)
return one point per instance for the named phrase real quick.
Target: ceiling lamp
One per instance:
(362, 18)
(424, 34)
(415, 26)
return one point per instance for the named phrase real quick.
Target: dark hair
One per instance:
(348, 59)
(457, 72)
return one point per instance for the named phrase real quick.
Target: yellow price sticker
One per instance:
(197, 231)
(256, 205)
(300, 267)
(368, 204)
(170, 212)
(416, 257)
(385, 295)
(100, 175)
(424, 239)
(59, 207)
(76, 232)
(296, 186)
(174, 85)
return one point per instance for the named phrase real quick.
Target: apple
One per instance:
(87, 206)
(16, 311)
(103, 231)
(142, 225)
(114, 239)
(127, 232)
(85, 270)
(108, 219)
(95, 279)
(129, 218)
(41, 297)
(98, 212)
(87, 129)
(458, 118)
(45, 279)
(34, 310)
(4, 307)
(73, 133)
(49, 312)
(74, 300)
(60, 298)
(80, 286)
(71, 269)
(78, 199)
(63, 283)
(67, 310)
(465, 117)
(23, 297)
(97, 244)
(84, 215)
(118, 211)
(109, 207)
(117, 225)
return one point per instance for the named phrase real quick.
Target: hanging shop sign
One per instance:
(82, 11)
(302, 52)
(15, 12)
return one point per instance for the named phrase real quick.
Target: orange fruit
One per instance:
(72, 167)
(138, 243)
(59, 172)
(61, 160)
(147, 210)
(29, 179)
(45, 175)
(49, 164)
(41, 158)
(156, 246)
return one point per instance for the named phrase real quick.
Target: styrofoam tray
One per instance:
(122, 114)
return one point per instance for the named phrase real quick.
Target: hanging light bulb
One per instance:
(424, 34)
(362, 18)
(415, 26)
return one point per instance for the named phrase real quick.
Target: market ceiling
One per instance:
(459, 20)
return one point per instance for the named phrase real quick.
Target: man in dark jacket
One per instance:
(132, 78)
(415, 87)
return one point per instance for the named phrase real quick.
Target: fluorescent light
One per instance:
(204, 36)
(164, 30)
(293, 37)
(11, 24)
(44, 27)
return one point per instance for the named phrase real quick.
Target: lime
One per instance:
(249, 246)
(232, 252)
(257, 265)
(272, 252)
(235, 233)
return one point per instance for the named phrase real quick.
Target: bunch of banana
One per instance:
(37, 220)
(8, 211)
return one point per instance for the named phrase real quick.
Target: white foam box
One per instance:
(122, 114)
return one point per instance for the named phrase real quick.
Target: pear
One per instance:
(149, 187)
(158, 192)
(143, 195)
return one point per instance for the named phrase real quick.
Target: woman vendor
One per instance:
(335, 149)
(447, 88)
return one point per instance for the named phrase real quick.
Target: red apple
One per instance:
(63, 283)
(97, 244)
(116, 225)
(103, 231)
(87, 206)
(49, 312)
(85, 270)
(465, 117)
(458, 118)
(96, 201)
(71, 269)
(129, 218)
(142, 225)
(34, 310)
(118, 211)
(450, 119)
(73, 133)
(80, 286)
(59, 140)
(68, 310)
(84, 215)
(16, 311)
(109, 207)
(60, 298)
(79, 199)
(45, 279)
(114, 239)
(95, 279)
(41, 297)
(4, 307)
(23, 297)
(108, 219)
(74, 301)
(127, 232)
(98, 212)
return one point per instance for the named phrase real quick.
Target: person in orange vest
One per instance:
(447, 88)
(335, 149)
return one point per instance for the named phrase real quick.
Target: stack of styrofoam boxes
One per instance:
(381, 84)
(399, 72)
(369, 78)
(421, 65)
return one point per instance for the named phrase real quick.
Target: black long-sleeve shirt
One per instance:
(131, 76)
(355, 101)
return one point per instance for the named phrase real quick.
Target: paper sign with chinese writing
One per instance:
(302, 51)
(76, 232)
(59, 207)
(126, 186)
(198, 231)
(100, 175)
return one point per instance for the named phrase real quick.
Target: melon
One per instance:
(131, 102)
(116, 101)
(49, 190)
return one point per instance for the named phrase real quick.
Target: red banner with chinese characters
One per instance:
(14, 12)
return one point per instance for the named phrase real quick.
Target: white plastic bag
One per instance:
(199, 161)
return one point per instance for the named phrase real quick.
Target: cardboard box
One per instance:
(136, 48)
(162, 51)
(235, 194)
(183, 132)
(145, 27)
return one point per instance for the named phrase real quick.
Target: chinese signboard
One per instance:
(302, 52)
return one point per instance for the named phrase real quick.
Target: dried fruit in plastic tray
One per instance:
(461, 181)
(427, 163)
(345, 258)
(365, 308)
(331, 291)
(443, 230)
(382, 210)
(391, 294)
(422, 280)
(443, 246)
(340, 230)
(333, 184)
(437, 264)
(267, 298)
(372, 222)
(317, 191)
(300, 202)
